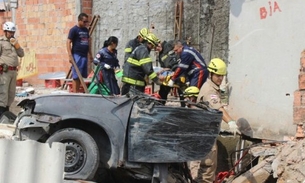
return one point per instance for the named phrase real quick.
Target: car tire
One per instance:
(82, 154)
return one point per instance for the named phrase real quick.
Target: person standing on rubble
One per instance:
(107, 58)
(139, 65)
(10, 50)
(205, 170)
(192, 65)
(132, 44)
(79, 49)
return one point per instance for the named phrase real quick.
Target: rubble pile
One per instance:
(289, 165)
(6, 131)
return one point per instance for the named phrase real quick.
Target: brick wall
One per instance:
(299, 95)
(42, 27)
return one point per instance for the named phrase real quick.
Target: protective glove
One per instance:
(13, 41)
(170, 83)
(106, 66)
(233, 127)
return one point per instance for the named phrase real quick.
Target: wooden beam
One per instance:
(178, 20)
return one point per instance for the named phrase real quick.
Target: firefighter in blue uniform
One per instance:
(192, 65)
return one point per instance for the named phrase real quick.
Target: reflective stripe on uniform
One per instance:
(133, 81)
(128, 50)
(196, 57)
(183, 66)
(152, 75)
(192, 71)
(164, 57)
(133, 61)
(145, 60)
(139, 62)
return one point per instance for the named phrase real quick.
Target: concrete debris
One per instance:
(289, 165)
(285, 161)
(6, 131)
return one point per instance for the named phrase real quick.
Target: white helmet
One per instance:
(9, 26)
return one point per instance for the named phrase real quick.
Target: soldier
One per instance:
(10, 50)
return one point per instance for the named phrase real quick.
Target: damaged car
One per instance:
(120, 139)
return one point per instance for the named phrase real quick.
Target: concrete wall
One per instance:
(125, 18)
(266, 40)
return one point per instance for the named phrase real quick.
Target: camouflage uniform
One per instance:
(204, 170)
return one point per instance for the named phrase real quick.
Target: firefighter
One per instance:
(132, 44)
(191, 94)
(201, 170)
(139, 65)
(168, 61)
(192, 65)
(10, 50)
(210, 91)
(205, 170)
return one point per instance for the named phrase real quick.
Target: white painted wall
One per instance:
(263, 66)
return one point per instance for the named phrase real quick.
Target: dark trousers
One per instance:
(126, 87)
(164, 91)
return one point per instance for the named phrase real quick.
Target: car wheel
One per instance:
(82, 155)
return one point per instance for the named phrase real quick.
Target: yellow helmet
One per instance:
(151, 38)
(143, 32)
(177, 84)
(191, 91)
(218, 66)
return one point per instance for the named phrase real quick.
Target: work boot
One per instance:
(7, 108)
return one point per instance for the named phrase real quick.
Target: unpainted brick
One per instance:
(298, 114)
(302, 61)
(299, 98)
(302, 81)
